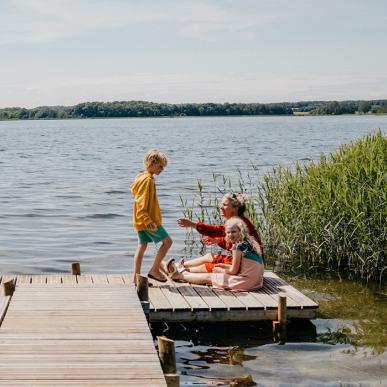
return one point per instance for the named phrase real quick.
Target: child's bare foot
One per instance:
(157, 276)
(180, 266)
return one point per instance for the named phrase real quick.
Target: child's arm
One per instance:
(142, 200)
(234, 268)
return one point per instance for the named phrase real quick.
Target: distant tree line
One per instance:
(150, 109)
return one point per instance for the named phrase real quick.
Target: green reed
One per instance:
(329, 214)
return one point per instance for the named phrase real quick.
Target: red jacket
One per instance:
(215, 231)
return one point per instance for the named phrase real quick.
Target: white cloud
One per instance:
(34, 21)
(27, 21)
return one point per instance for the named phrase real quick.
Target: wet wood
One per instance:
(76, 268)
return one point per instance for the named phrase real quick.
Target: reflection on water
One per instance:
(344, 346)
(349, 312)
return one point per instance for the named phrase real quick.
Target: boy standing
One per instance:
(147, 215)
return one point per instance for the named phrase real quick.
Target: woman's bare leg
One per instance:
(198, 261)
(198, 269)
(194, 278)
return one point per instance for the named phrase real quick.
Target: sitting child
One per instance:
(246, 270)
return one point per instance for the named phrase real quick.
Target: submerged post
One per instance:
(279, 326)
(8, 287)
(167, 357)
(75, 268)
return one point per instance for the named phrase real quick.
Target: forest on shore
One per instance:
(121, 109)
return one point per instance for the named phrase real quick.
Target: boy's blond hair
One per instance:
(153, 157)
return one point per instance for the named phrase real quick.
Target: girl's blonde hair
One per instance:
(244, 231)
(153, 157)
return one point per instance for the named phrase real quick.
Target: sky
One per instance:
(65, 52)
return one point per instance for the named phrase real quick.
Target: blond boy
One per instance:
(147, 215)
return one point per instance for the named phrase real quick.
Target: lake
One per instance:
(65, 196)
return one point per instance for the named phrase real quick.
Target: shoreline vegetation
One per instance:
(327, 216)
(126, 109)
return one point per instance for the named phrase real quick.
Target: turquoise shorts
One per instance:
(146, 236)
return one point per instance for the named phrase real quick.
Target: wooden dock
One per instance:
(91, 329)
(66, 331)
(182, 302)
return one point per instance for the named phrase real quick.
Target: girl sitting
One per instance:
(246, 270)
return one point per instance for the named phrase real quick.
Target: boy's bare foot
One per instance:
(157, 276)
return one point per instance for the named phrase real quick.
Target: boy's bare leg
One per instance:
(161, 253)
(138, 256)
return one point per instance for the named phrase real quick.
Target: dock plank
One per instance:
(210, 297)
(167, 301)
(191, 296)
(158, 299)
(94, 327)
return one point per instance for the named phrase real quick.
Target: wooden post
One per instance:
(76, 268)
(279, 326)
(8, 287)
(167, 357)
(142, 287)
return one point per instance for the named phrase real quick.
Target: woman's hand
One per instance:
(184, 222)
(209, 240)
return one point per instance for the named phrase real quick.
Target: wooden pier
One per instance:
(91, 329)
(182, 302)
(76, 331)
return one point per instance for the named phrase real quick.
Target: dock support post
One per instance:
(167, 357)
(75, 268)
(142, 287)
(279, 326)
(142, 292)
(8, 288)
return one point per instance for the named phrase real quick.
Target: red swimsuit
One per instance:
(214, 231)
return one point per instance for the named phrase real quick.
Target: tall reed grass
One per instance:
(329, 214)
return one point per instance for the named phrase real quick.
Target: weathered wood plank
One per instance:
(4, 302)
(191, 296)
(98, 332)
(157, 297)
(210, 297)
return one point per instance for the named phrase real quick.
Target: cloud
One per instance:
(36, 21)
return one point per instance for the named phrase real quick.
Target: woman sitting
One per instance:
(232, 205)
(245, 273)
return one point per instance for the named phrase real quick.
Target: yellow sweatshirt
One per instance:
(146, 207)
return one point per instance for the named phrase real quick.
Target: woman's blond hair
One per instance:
(237, 200)
(153, 157)
(245, 236)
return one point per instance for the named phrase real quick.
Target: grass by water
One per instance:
(328, 215)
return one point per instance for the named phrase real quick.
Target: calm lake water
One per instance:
(64, 196)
